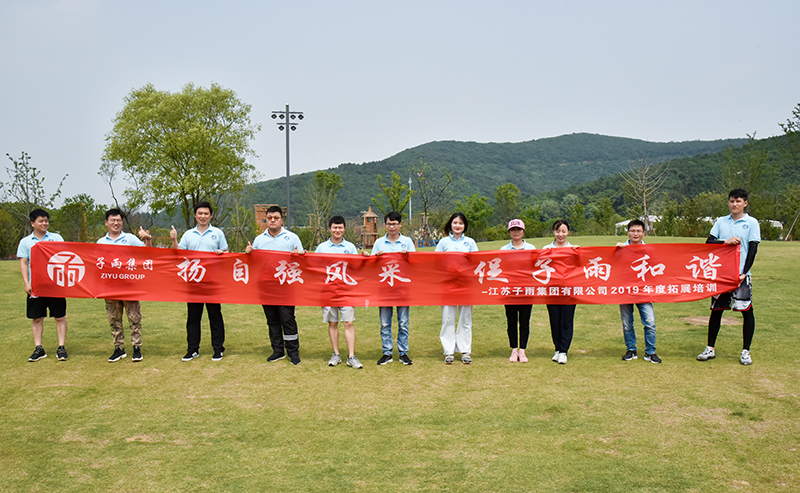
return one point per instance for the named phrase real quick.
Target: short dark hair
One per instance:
(560, 222)
(203, 204)
(738, 193)
(393, 216)
(635, 222)
(115, 212)
(449, 226)
(37, 213)
(275, 208)
(336, 220)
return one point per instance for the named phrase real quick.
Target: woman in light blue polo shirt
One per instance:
(456, 339)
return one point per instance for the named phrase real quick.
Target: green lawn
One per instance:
(242, 424)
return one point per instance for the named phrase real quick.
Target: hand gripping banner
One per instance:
(661, 273)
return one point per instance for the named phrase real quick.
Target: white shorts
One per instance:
(333, 314)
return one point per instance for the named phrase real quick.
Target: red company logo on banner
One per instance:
(66, 269)
(664, 273)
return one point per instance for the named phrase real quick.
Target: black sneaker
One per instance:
(217, 355)
(137, 354)
(190, 356)
(652, 358)
(295, 359)
(119, 353)
(406, 360)
(61, 354)
(275, 357)
(386, 358)
(38, 354)
(630, 355)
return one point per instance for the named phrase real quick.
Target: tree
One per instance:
(182, 148)
(394, 197)
(792, 151)
(748, 167)
(507, 201)
(79, 219)
(26, 188)
(436, 191)
(605, 216)
(478, 212)
(641, 184)
(577, 216)
(321, 191)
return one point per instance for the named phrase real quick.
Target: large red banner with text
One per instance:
(662, 273)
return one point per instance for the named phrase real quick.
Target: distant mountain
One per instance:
(535, 166)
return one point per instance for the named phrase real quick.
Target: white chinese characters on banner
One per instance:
(289, 272)
(597, 270)
(390, 272)
(706, 266)
(191, 270)
(643, 268)
(338, 272)
(494, 271)
(241, 271)
(545, 270)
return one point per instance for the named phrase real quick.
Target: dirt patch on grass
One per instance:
(704, 321)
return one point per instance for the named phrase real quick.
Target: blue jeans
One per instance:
(648, 317)
(402, 329)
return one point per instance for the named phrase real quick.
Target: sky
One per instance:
(376, 77)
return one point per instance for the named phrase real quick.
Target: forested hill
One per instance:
(535, 166)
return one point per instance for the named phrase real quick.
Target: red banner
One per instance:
(662, 273)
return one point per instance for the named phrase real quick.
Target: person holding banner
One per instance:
(204, 238)
(737, 228)
(646, 312)
(37, 307)
(332, 314)
(280, 319)
(116, 236)
(456, 339)
(393, 241)
(521, 313)
(561, 316)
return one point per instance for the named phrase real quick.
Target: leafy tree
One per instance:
(10, 234)
(641, 183)
(532, 217)
(577, 216)
(605, 216)
(79, 219)
(394, 197)
(748, 167)
(691, 223)
(507, 198)
(478, 212)
(668, 225)
(792, 151)
(436, 190)
(181, 148)
(322, 193)
(26, 188)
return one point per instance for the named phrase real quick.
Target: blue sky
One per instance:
(374, 78)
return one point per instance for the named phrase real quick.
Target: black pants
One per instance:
(521, 313)
(195, 316)
(282, 329)
(561, 325)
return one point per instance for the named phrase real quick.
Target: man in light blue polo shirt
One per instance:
(332, 314)
(282, 325)
(393, 241)
(114, 308)
(204, 238)
(37, 307)
(738, 228)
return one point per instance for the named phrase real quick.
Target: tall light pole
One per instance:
(287, 124)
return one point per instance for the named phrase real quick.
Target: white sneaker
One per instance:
(555, 356)
(745, 358)
(707, 354)
(562, 358)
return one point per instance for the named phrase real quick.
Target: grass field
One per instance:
(242, 424)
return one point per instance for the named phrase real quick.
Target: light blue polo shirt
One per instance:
(285, 241)
(383, 244)
(122, 239)
(464, 244)
(525, 246)
(331, 247)
(746, 228)
(25, 245)
(210, 240)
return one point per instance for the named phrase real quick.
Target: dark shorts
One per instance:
(37, 307)
(740, 298)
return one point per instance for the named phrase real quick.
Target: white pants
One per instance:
(456, 339)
